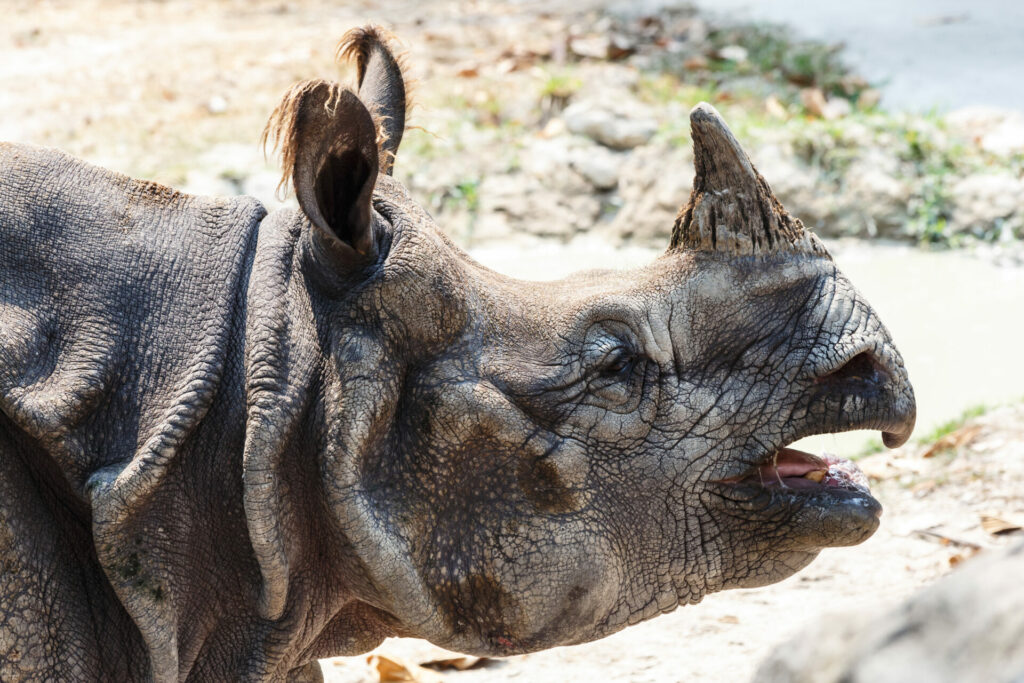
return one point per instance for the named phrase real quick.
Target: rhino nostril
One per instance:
(862, 368)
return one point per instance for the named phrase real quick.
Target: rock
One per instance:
(217, 105)
(653, 183)
(614, 46)
(734, 53)
(607, 127)
(836, 108)
(572, 165)
(550, 162)
(598, 165)
(981, 200)
(554, 128)
(518, 203)
(802, 190)
(873, 189)
(998, 131)
(1007, 138)
(969, 626)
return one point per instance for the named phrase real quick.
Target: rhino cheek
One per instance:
(498, 533)
(541, 588)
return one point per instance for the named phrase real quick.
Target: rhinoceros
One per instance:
(232, 443)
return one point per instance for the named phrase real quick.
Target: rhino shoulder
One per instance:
(112, 286)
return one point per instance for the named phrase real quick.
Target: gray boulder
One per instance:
(967, 627)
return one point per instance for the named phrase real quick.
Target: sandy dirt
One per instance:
(148, 88)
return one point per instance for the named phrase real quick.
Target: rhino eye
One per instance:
(618, 362)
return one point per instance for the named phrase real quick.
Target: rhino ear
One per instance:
(382, 85)
(328, 143)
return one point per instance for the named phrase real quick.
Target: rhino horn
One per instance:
(731, 208)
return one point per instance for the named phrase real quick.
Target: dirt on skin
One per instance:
(149, 88)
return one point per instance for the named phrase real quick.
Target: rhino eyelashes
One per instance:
(618, 363)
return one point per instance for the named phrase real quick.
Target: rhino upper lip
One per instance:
(786, 467)
(789, 468)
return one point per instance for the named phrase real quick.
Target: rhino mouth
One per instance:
(789, 468)
(828, 495)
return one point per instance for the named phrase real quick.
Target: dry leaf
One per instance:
(942, 539)
(467, 70)
(953, 440)
(389, 670)
(954, 560)
(774, 106)
(695, 63)
(620, 46)
(456, 663)
(997, 526)
(814, 101)
(393, 670)
(868, 98)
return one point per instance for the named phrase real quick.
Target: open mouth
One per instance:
(830, 493)
(788, 468)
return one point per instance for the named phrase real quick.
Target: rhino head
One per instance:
(508, 466)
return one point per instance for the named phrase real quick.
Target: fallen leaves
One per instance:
(463, 663)
(816, 104)
(774, 106)
(953, 440)
(997, 526)
(930, 534)
(610, 47)
(954, 560)
(391, 670)
(696, 63)
(394, 669)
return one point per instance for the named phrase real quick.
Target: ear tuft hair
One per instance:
(282, 129)
(357, 43)
(382, 84)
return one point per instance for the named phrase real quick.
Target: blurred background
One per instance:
(553, 136)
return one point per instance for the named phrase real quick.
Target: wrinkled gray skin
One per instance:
(233, 443)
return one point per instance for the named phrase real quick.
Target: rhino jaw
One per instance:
(824, 492)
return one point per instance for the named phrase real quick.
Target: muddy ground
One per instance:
(167, 89)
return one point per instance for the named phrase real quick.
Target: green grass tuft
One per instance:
(950, 426)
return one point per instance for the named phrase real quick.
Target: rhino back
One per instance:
(121, 314)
